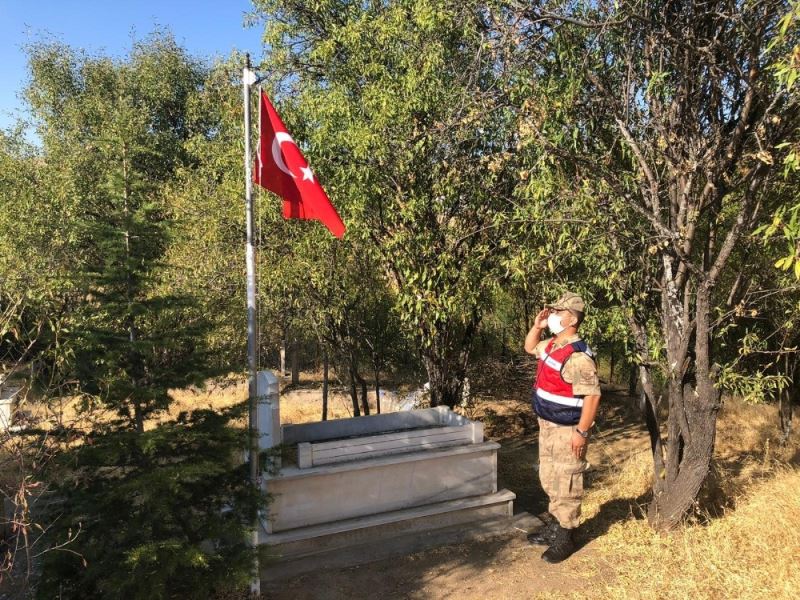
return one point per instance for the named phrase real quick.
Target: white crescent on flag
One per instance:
(281, 137)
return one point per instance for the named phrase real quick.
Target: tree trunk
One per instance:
(138, 416)
(446, 363)
(354, 392)
(633, 380)
(611, 367)
(377, 389)
(787, 396)
(446, 381)
(785, 411)
(134, 358)
(689, 457)
(325, 386)
(295, 363)
(364, 400)
(648, 404)
(693, 408)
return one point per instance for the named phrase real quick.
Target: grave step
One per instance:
(332, 493)
(362, 540)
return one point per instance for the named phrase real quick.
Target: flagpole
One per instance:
(248, 79)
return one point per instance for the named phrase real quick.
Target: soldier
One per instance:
(565, 399)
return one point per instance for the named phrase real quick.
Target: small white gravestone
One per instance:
(269, 415)
(8, 396)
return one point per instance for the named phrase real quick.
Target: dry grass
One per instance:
(745, 427)
(622, 486)
(750, 551)
(302, 404)
(305, 405)
(298, 404)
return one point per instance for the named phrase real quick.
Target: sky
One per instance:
(206, 28)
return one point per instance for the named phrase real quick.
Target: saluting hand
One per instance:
(541, 318)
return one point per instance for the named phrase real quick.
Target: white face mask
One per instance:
(554, 323)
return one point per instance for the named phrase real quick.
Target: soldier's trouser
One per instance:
(560, 472)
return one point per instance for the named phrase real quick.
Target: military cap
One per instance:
(569, 301)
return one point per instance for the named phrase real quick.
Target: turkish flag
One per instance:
(282, 169)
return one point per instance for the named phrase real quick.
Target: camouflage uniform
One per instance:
(560, 471)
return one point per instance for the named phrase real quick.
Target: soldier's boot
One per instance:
(563, 546)
(545, 535)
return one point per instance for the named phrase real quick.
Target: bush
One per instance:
(161, 514)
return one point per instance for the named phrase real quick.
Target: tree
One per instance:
(350, 306)
(406, 106)
(672, 124)
(785, 225)
(38, 295)
(148, 511)
(204, 259)
(112, 135)
(159, 514)
(784, 230)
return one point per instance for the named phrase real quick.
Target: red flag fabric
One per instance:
(282, 169)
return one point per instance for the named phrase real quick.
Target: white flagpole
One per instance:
(248, 79)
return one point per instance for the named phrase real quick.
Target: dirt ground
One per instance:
(507, 567)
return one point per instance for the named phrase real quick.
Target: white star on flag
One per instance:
(308, 174)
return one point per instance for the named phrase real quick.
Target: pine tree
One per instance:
(161, 511)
